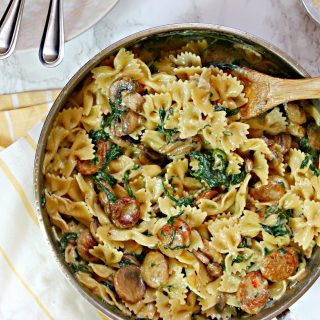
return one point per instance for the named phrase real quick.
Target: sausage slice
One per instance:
(280, 264)
(253, 292)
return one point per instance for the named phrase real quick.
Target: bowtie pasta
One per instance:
(167, 205)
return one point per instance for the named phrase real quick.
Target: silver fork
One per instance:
(9, 27)
(51, 49)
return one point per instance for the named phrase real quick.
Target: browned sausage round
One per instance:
(125, 212)
(175, 236)
(87, 167)
(272, 191)
(284, 141)
(209, 194)
(129, 284)
(280, 264)
(253, 292)
(86, 242)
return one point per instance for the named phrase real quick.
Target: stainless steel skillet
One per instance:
(230, 42)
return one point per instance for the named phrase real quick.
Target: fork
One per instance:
(9, 27)
(51, 49)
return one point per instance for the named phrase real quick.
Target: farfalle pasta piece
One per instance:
(260, 167)
(190, 121)
(92, 121)
(69, 118)
(295, 159)
(153, 139)
(119, 166)
(239, 261)
(223, 204)
(250, 224)
(176, 287)
(234, 163)
(55, 138)
(52, 206)
(234, 135)
(227, 239)
(255, 144)
(210, 295)
(186, 59)
(101, 290)
(58, 185)
(125, 65)
(215, 225)
(229, 283)
(277, 289)
(241, 197)
(163, 306)
(226, 86)
(306, 227)
(273, 122)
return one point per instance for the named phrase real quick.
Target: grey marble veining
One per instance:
(283, 23)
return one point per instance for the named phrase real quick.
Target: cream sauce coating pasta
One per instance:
(151, 159)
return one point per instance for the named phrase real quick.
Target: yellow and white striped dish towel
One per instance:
(32, 287)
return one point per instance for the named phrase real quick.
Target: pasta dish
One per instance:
(166, 204)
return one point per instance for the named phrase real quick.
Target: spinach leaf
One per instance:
(97, 135)
(168, 133)
(236, 178)
(306, 147)
(239, 259)
(107, 177)
(80, 268)
(108, 285)
(229, 112)
(304, 162)
(243, 243)
(126, 183)
(178, 202)
(113, 153)
(171, 219)
(112, 198)
(115, 113)
(206, 172)
(168, 246)
(65, 239)
(279, 229)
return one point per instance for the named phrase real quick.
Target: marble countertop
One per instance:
(284, 23)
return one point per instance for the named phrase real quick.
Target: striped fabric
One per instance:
(32, 287)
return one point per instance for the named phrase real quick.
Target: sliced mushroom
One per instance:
(128, 284)
(202, 257)
(129, 122)
(313, 132)
(211, 252)
(118, 87)
(155, 269)
(181, 147)
(133, 101)
(130, 259)
(214, 270)
(86, 242)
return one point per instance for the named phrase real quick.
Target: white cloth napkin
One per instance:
(31, 284)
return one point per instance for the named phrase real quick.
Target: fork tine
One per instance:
(9, 27)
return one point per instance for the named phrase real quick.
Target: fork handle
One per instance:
(285, 90)
(9, 27)
(51, 49)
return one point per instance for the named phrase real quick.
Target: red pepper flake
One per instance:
(69, 250)
(254, 283)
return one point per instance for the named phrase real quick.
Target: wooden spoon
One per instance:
(265, 92)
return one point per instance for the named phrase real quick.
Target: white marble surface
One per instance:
(283, 23)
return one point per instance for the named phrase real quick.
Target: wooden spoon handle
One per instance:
(285, 90)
